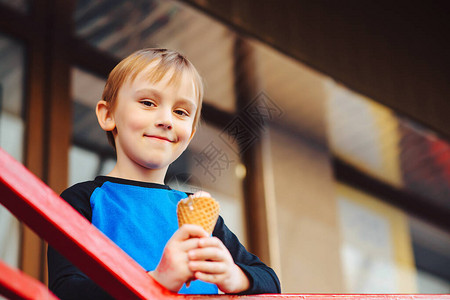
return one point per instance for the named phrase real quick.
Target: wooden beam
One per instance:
(91, 59)
(31, 261)
(248, 137)
(59, 105)
(17, 25)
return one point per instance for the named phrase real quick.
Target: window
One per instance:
(12, 129)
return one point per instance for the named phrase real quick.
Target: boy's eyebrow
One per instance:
(187, 102)
(145, 91)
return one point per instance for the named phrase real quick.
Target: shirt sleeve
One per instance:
(65, 280)
(263, 279)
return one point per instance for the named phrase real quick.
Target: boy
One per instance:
(150, 108)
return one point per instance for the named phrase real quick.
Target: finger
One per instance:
(208, 267)
(201, 194)
(211, 278)
(209, 253)
(188, 231)
(211, 242)
(189, 244)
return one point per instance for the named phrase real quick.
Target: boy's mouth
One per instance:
(163, 138)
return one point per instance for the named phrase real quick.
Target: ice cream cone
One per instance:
(202, 211)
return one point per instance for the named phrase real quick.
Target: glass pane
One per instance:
(432, 257)
(90, 154)
(83, 164)
(365, 134)
(12, 129)
(21, 5)
(376, 253)
(121, 27)
(392, 148)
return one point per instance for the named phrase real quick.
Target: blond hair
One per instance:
(166, 61)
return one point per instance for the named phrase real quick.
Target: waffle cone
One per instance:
(203, 211)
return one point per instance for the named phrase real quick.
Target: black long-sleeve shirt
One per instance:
(68, 282)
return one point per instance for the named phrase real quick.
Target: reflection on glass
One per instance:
(365, 134)
(119, 26)
(122, 27)
(12, 130)
(21, 5)
(425, 162)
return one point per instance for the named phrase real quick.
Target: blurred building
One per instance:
(324, 133)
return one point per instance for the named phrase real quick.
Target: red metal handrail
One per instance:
(34, 203)
(15, 284)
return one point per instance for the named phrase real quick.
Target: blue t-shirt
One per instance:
(140, 220)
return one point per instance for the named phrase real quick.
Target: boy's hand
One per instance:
(212, 262)
(173, 271)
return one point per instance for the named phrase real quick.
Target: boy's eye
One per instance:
(147, 103)
(182, 113)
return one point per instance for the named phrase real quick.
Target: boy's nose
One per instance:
(164, 120)
(166, 125)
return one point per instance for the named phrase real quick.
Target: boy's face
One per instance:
(153, 121)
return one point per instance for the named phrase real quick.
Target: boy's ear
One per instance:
(104, 116)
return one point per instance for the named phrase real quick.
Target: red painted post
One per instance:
(33, 202)
(15, 284)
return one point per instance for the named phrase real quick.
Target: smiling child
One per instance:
(150, 110)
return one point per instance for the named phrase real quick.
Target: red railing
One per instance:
(16, 285)
(34, 203)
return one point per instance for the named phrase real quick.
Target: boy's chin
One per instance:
(158, 163)
(155, 166)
